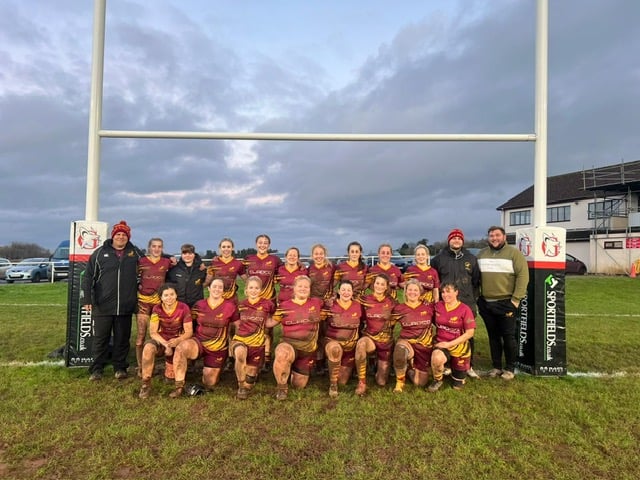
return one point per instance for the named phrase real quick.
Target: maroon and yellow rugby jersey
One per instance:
(228, 272)
(264, 268)
(428, 278)
(416, 322)
(171, 323)
(250, 328)
(152, 274)
(321, 280)
(378, 318)
(355, 274)
(212, 324)
(451, 324)
(391, 271)
(285, 278)
(343, 324)
(300, 323)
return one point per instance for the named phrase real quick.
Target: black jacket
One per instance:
(110, 283)
(189, 281)
(461, 269)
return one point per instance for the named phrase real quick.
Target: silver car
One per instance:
(32, 269)
(5, 264)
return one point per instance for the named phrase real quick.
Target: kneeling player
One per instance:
(295, 355)
(413, 347)
(169, 325)
(342, 325)
(377, 335)
(247, 345)
(212, 316)
(455, 325)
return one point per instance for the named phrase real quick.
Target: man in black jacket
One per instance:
(455, 264)
(109, 290)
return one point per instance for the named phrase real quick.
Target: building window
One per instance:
(523, 217)
(604, 209)
(559, 214)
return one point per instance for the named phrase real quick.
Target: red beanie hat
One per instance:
(121, 227)
(456, 232)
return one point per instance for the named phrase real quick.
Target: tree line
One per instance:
(20, 250)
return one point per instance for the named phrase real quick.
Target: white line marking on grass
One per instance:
(608, 315)
(43, 363)
(602, 374)
(33, 305)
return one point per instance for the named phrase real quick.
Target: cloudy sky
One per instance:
(289, 66)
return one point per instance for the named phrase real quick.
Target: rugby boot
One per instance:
(435, 386)
(178, 391)
(361, 389)
(282, 393)
(333, 390)
(145, 389)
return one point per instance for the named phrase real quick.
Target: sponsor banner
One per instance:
(85, 238)
(541, 330)
(541, 334)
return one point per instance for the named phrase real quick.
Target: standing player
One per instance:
(455, 325)
(247, 345)
(321, 273)
(226, 267)
(385, 266)
(354, 270)
(264, 266)
(425, 274)
(287, 274)
(342, 324)
(413, 347)
(170, 324)
(212, 316)
(152, 272)
(300, 318)
(377, 335)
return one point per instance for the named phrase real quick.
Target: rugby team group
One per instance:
(336, 319)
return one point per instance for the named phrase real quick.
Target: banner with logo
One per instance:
(85, 238)
(541, 332)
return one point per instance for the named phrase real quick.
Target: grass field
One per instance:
(56, 424)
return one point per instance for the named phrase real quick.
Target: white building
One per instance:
(597, 207)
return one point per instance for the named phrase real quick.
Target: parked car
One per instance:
(574, 266)
(5, 264)
(59, 262)
(33, 269)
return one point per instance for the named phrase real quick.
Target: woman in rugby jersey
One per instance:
(287, 274)
(377, 335)
(264, 266)
(412, 352)
(227, 267)
(342, 325)
(353, 269)
(169, 325)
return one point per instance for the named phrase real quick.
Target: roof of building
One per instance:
(568, 187)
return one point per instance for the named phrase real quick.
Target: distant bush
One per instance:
(19, 250)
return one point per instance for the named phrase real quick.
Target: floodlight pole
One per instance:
(95, 111)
